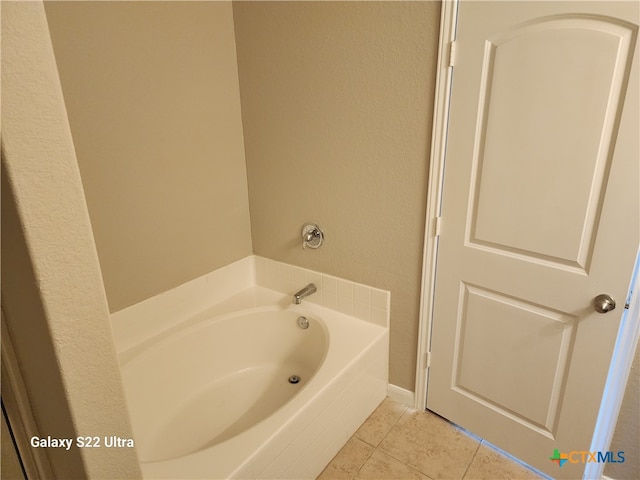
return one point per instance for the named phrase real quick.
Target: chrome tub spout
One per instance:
(305, 292)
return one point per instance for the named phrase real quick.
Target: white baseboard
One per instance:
(401, 395)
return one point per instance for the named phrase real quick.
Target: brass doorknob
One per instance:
(604, 303)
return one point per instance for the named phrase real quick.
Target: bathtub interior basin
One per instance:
(206, 367)
(213, 380)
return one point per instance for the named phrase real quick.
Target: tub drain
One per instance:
(294, 379)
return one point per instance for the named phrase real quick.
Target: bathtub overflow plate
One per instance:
(294, 379)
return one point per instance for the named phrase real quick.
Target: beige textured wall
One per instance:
(337, 102)
(52, 293)
(151, 89)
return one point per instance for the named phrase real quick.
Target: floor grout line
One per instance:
(407, 411)
(377, 447)
(365, 461)
(472, 459)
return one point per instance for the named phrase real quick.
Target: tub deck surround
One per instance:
(139, 322)
(222, 291)
(355, 299)
(172, 383)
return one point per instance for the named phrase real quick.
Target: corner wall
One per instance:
(151, 90)
(337, 104)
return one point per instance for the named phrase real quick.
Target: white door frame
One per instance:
(444, 77)
(629, 332)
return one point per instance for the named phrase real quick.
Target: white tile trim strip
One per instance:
(401, 395)
(138, 322)
(351, 298)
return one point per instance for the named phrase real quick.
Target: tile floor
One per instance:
(400, 443)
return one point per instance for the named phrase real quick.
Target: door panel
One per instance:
(540, 213)
(494, 336)
(550, 149)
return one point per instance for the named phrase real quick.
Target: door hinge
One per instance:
(427, 359)
(437, 226)
(452, 53)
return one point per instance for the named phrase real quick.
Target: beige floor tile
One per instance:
(431, 445)
(380, 422)
(381, 466)
(347, 461)
(413, 444)
(489, 464)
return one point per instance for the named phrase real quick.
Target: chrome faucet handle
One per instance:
(312, 236)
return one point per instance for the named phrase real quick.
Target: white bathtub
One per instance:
(209, 396)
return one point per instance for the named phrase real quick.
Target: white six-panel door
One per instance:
(540, 214)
